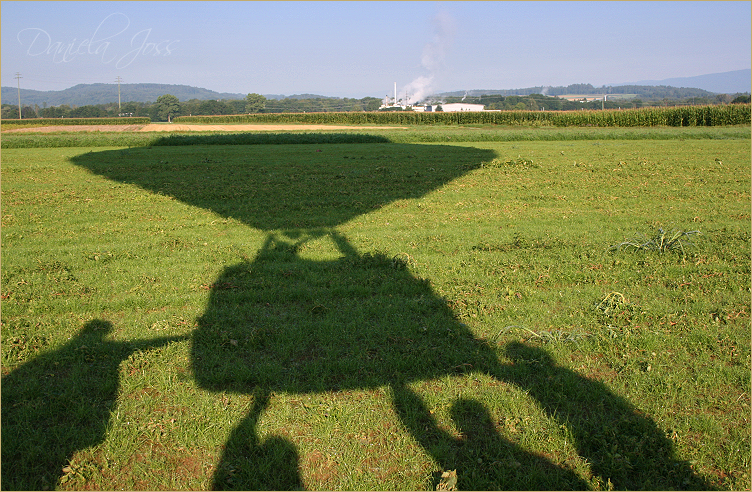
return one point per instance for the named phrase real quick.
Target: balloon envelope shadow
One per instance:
(287, 187)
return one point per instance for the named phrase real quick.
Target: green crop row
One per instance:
(76, 121)
(415, 134)
(736, 114)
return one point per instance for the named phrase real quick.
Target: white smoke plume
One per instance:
(433, 57)
(419, 88)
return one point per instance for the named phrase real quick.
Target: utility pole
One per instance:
(118, 80)
(18, 77)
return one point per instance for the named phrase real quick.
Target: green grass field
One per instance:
(390, 314)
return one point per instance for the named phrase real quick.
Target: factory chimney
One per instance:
(395, 93)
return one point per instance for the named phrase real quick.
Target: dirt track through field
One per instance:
(156, 127)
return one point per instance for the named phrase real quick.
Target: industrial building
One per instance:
(394, 103)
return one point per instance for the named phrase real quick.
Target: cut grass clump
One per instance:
(544, 336)
(518, 163)
(612, 302)
(662, 242)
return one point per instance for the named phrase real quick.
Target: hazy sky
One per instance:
(357, 49)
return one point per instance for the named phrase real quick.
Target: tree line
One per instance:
(540, 102)
(168, 106)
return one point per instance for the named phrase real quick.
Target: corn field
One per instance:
(721, 115)
(736, 114)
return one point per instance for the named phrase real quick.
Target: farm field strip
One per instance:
(156, 127)
(410, 135)
(163, 127)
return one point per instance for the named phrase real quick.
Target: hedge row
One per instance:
(76, 121)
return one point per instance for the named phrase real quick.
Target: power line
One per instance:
(118, 80)
(18, 78)
(44, 78)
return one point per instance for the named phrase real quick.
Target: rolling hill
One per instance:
(85, 94)
(722, 83)
(737, 81)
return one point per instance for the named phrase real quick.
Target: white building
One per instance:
(461, 107)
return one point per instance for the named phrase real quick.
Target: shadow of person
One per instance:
(248, 464)
(623, 445)
(60, 402)
(482, 459)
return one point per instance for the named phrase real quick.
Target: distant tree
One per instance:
(236, 106)
(213, 107)
(254, 103)
(167, 107)
(28, 113)
(88, 111)
(9, 112)
(190, 107)
(133, 109)
(371, 103)
(724, 98)
(153, 112)
(580, 89)
(741, 99)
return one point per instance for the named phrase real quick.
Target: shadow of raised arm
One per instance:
(60, 402)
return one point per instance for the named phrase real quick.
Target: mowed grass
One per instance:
(371, 316)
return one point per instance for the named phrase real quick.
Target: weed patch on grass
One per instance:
(662, 242)
(519, 163)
